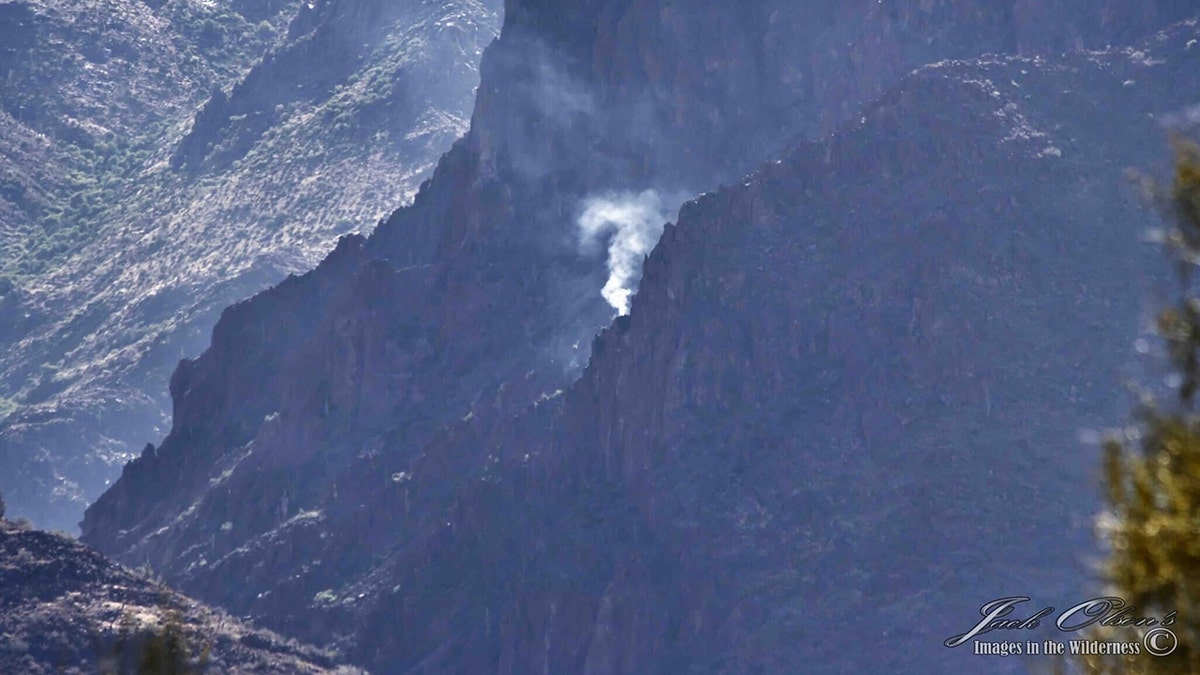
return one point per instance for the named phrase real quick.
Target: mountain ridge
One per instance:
(541, 512)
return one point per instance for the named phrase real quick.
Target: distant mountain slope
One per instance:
(88, 91)
(63, 608)
(838, 377)
(330, 131)
(89, 88)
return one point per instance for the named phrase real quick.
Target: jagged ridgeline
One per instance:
(803, 442)
(159, 161)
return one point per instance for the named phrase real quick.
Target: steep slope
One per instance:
(65, 607)
(87, 92)
(853, 344)
(329, 132)
(394, 347)
(309, 146)
(84, 88)
(846, 404)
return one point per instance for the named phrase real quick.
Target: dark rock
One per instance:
(812, 442)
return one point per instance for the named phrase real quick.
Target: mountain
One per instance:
(840, 414)
(66, 609)
(208, 189)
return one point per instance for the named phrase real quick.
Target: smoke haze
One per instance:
(631, 224)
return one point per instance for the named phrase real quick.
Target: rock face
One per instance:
(65, 607)
(328, 132)
(839, 376)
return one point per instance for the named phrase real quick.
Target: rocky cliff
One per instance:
(838, 377)
(326, 132)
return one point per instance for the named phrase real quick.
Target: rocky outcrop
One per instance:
(306, 147)
(67, 609)
(861, 339)
(845, 404)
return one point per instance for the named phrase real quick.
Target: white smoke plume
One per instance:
(631, 224)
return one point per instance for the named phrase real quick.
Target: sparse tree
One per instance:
(1152, 477)
(166, 651)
